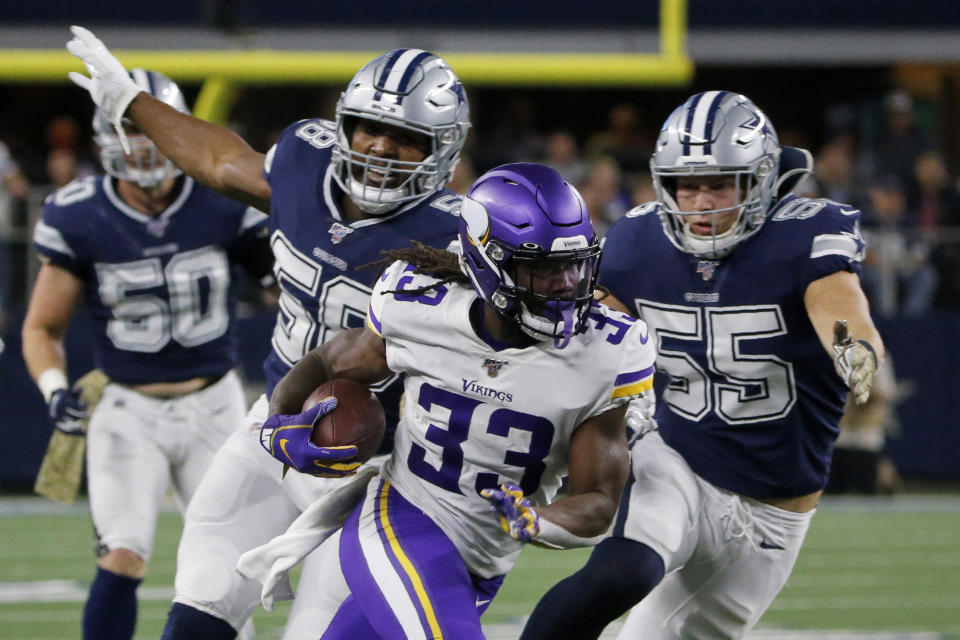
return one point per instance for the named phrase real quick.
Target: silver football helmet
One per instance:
(145, 165)
(716, 133)
(415, 90)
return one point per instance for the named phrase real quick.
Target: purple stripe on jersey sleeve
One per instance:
(374, 320)
(633, 376)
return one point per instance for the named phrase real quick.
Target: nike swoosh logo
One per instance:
(283, 447)
(480, 602)
(770, 545)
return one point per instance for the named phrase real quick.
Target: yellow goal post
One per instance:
(220, 71)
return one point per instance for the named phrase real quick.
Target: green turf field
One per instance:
(889, 565)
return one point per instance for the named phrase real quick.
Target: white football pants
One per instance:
(137, 445)
(243, 502)
(726, 556)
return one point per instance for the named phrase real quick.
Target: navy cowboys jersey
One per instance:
(317, 251)
(159, 289)
(752, 401)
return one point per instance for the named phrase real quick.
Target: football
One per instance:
(358, 419)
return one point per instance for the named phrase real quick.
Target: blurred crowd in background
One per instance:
(897, 174)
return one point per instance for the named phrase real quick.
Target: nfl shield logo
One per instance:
(706, 268)
(338, 232)
(157, 227)
(493, 366)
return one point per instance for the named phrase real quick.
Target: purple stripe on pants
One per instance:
(403, 546)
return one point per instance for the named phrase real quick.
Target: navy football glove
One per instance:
(287, 438)
(516, 515)
(68, 411)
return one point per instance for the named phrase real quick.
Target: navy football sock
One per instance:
(186, 623)
(111, 609)
(619, 574)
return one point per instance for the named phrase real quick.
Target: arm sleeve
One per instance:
(837, 243)
(615, 270)
(53, 242)
(635, 367)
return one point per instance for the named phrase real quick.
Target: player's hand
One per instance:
(109, 84)
(855, 360)
(517, 517)
(640, 412)
(287, 438)
(68, 410)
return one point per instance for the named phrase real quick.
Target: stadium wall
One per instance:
(926, 449)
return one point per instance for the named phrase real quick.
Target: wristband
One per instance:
(51, 381)
(554, 536)
(869, 347)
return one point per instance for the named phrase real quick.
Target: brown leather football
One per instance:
(358, 419)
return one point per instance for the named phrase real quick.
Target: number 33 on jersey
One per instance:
(513, 411)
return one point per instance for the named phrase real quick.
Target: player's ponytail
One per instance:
(430, 261)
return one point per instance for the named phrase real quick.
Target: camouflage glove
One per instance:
(855, 361)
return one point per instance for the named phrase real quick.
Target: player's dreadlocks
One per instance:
(430, 261)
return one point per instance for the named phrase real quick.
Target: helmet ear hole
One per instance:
(669, 184)
(349, 126)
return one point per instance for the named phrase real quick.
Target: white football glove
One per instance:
(640, 412)
(109, 84)
(855, 360)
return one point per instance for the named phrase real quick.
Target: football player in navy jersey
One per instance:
(151, 253)
(338, 194)
(761, 328)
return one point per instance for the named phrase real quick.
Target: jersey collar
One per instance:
(143, 218)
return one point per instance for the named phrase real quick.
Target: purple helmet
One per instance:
(528, 246)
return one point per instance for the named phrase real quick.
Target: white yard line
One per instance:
(65, 591)
(924, 503)
(74, 591)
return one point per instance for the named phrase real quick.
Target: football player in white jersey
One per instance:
(753, 301)
(151, 253)
(338, 193)
(514, 379)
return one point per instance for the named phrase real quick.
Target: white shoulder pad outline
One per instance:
(642, 210)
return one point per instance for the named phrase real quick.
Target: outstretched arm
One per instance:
(838, 297)
(211, 154)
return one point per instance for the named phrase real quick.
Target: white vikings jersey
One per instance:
(475, 417)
